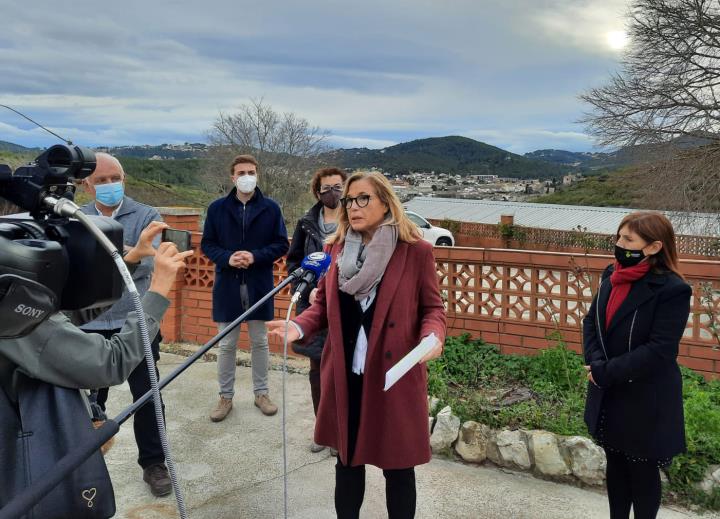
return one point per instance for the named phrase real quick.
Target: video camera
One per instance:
(50, 262)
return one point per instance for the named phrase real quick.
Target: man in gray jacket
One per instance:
(106, 186)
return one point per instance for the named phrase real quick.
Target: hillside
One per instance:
(162, 151)
(14, 160)
(16, 148)
(459, 155)
(596, 162)
(154, 182)
(618, 189)
(160, 195)
(581, 161)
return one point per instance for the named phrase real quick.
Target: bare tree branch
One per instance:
(287, 147)
(669, 78)
(668, 88)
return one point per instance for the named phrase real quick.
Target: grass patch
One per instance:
(470, 374)
(474, 377)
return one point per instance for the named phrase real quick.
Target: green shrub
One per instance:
(469, 369)
(557, 370)
(702, 430)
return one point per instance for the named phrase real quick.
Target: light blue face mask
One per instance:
(109, 195)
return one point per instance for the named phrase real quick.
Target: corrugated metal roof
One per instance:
(604, 220)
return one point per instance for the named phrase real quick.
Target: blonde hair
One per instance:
(407, 231)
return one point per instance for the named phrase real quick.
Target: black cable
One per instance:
(67, 141)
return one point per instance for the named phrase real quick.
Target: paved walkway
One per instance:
(233, 469)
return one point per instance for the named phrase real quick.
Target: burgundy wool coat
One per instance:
(393, 431)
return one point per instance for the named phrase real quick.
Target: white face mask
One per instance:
(246, 183)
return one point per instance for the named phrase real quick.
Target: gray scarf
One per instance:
(361, 267)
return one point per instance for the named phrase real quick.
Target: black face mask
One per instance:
(330, 199)
(628, 257)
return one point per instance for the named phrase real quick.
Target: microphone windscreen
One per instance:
(317, 262)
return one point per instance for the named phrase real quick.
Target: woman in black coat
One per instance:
(631, 335)
(310, 233)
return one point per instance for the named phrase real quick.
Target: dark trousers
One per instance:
(147, 436)
(400, 494)
(314, 377)
(632, 483)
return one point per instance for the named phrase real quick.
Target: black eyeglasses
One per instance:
(335, 187)
(360, 200)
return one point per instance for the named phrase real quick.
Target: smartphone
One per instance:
(181, 239)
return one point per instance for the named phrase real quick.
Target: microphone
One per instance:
(313, 267)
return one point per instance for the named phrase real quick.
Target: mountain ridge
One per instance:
(452, 154)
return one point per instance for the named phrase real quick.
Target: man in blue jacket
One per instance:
(244, 235)
(107, 187)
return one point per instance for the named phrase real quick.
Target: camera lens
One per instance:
(71, 161)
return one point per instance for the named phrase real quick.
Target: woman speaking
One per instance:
(379, 299)
(631, 335)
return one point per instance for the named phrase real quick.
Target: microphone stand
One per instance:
(129, 411)
(26, 499)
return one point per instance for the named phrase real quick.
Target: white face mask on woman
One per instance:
(246, 183)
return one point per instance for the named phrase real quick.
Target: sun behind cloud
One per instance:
(616, 40)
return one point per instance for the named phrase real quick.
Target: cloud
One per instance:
(583, 24)
(522, 140)
(342, 141)
(370, 72)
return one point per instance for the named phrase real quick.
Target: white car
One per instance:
(435, 235)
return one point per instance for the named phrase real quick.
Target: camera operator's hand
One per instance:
(144, 246)
(168, 262)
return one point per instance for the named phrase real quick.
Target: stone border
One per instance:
(564, 459)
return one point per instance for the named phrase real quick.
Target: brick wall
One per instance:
(512, 298)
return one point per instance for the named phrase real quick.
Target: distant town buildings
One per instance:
(158, 152)
(490, 187)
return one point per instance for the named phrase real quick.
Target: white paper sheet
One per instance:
(408, 361)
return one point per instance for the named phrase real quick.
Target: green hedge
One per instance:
(471, 373)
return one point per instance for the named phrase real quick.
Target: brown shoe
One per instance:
(222, 409)
(158, 478)
(265, 404)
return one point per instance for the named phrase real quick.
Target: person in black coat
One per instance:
(244, 234)
(310, 233)
(631, 335)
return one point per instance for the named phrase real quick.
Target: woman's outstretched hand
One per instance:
(278, 328)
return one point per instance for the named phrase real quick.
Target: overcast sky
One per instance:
(372, 73)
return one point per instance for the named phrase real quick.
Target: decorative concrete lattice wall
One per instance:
(513, 298)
